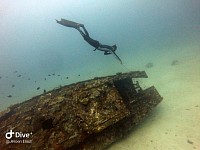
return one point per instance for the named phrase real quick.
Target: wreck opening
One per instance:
(127, 90)
(47, 124)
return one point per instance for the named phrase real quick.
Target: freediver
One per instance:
(98, 46)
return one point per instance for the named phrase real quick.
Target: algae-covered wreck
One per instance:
(86, 115)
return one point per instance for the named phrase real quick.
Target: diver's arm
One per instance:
(104, 49)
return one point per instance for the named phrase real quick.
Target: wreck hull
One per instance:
(86, 115)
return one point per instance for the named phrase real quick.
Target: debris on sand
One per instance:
(190, 142)
(9, 96)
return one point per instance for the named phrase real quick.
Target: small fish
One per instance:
(79, 75)
(67, 77)
(174, 62)
(0, 77)
(19, 75)
(29, 78)
(58, 75)
(9, 96)
(149, 65)
(13, 86)
(44, 91)
(38, 88)
(15, 71)
(53, 74)
(45, 78)
(49, 75)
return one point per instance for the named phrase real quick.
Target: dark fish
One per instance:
(67, 77)
(49, 75)
(44, 91)
(79, 75)
(38, 88)
(15, 71)
(9, 96)
(0, 77)
(19, 75)
(53, 74)
(149, 65)
(174, 62)
(29, 79)
(13, 85)
(45, 78)
(58, 75)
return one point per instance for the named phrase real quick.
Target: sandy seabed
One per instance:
(175, 123)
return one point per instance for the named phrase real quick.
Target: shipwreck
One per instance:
(88, 115)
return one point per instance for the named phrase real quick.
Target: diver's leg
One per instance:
(81, 32)
(86, 32)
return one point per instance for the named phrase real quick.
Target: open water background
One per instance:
(37, 54)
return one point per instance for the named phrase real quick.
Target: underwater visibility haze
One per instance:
(34, 46)
(37, 54)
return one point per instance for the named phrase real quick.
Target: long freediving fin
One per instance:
(68, 23)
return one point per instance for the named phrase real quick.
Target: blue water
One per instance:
(33, 46)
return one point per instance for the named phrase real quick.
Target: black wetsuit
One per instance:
(106, 48)
(87, 38)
